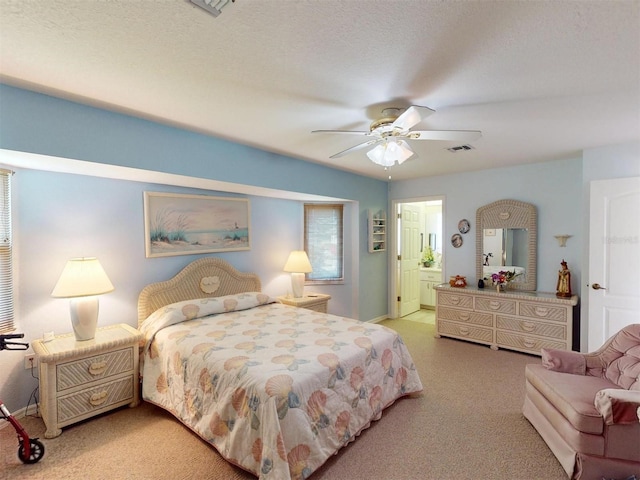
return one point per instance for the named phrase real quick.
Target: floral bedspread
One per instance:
(275, 389)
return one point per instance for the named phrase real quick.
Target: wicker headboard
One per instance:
(205, 277)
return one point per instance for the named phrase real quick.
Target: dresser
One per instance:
(79, 380)
(311, 301)
(521, 321)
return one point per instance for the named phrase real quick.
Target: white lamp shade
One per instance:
(298, 262)
(82, 277)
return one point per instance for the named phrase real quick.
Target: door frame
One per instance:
(392, 239)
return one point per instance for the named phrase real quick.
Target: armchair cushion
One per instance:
(564, 361)
(618, 406)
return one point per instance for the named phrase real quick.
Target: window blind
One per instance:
(323, 241)
(6, 259)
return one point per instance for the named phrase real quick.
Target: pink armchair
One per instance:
(586, 407)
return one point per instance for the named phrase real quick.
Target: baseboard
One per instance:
(378, 319)
(31, 410)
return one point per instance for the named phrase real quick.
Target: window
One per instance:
(323, 242)
(6, 261)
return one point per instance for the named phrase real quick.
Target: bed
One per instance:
(276, 389)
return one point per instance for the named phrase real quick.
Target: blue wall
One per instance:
(553, 187)
(65, 215)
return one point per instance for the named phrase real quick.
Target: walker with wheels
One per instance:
(30, 450)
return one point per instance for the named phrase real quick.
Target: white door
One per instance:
(409, 264)
(614, 258)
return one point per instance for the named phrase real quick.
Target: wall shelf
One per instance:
(377, 231)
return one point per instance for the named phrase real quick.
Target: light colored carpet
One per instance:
(467, 424)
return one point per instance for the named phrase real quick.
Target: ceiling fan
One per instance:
(389, 135)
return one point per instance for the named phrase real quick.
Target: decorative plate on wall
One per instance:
(456, 240)
(464, 226)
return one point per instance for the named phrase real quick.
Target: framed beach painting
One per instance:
(179, 224)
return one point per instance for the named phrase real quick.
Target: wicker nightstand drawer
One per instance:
(89, 369)
(311, 301)
(95, 400)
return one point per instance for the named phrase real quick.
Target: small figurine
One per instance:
(458, 281)
(563, 287)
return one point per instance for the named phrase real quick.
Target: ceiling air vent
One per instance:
(460, 148)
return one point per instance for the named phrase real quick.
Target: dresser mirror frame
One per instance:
(505, 214)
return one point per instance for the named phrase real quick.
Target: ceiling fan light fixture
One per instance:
(390, 152)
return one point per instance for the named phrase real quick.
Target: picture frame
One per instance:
(464, 226)
(456, 240)
(185, 224)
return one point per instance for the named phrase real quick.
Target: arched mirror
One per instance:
(506, 239)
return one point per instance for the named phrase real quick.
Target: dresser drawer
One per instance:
(521, 325)
(465, 316)
(454, 300)
(543, 312)
(79, 372)
(524, 342)
(465, 331)
(96, 398)
(495, 305)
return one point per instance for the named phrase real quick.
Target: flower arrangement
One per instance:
(503, 277)
(427, 257)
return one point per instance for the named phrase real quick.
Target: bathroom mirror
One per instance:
(506, 239)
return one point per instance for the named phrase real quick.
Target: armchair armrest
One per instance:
(564, 361)
(618, 406)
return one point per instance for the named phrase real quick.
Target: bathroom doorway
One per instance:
(418, 262)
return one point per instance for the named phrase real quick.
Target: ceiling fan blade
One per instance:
(451, 135)
(351, 132)
(412, 116)
(360, 146)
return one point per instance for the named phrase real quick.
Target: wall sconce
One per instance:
(82, 280)
(562, 239)
(298, 264)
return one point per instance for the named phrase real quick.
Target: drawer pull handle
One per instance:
(455, 300)
(528, 327)
(97, 368)
(541, 311)
(464, 316)
(529, 343)
(464, 331)
(494, 305)
(98, 398)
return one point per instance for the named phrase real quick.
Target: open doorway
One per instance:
(417, 265)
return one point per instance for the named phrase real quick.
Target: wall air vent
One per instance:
(460, 148)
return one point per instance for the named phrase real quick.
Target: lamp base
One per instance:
(297, 284)
(84, 317)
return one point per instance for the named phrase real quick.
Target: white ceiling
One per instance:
(542, 80)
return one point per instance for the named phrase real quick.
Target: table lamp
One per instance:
(82, 280)
(298, 264)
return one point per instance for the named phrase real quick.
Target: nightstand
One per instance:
(311, 301)
(79, 380)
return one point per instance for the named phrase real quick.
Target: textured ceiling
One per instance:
(542, 80)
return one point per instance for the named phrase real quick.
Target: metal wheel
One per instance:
(37, 451)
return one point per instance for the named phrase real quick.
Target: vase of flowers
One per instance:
(502, 279)
(427, 257)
